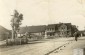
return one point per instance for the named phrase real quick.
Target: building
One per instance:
(60, 30)
(35, 32)
(49, 31)
(4, 33)
(81, 32)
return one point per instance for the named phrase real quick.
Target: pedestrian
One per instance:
(76, 35)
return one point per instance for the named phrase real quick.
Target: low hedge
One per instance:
(17, 41)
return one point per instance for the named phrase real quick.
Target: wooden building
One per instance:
(49, 31)
(60, 30)
(34, 32)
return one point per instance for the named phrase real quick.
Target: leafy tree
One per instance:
(16, 22)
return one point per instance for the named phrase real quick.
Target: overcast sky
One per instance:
(41, 12)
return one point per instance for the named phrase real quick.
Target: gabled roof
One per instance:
(42, 28)
(51, 26)
(68, 25)
(3, 30)
(58, 25)
(32, 29)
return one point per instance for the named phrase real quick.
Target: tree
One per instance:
(15, 23)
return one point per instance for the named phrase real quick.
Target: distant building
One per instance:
(60, 30)
(34, 31)
(49, 31)
(82, 33)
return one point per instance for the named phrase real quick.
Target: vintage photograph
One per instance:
(42, 27)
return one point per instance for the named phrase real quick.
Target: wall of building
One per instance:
(60, 31)
(3, 37)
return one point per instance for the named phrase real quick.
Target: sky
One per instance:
(43, 12)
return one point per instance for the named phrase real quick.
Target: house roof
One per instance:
(51, 26)
(42, 28)
(32, 29)
(68, 25)
(3, 30)
(58, 25)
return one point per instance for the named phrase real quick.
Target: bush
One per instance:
(17, 41)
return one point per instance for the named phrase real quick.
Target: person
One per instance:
(76, 36)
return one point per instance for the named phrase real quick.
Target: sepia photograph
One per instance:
(42, 27)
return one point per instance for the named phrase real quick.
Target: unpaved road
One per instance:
(35, 49)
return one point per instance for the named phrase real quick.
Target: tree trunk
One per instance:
(13, 33)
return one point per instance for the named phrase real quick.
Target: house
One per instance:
(81, 32)
(34, 31)
(60, 30)
(4, 33)
(50, 30)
